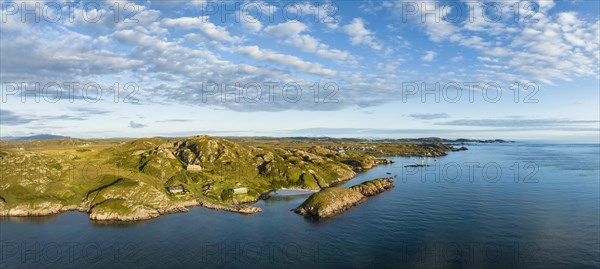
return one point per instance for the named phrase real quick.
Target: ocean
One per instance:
(513, 205)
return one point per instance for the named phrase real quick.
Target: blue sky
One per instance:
(507, 69)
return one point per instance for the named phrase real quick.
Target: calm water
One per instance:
(546, 215)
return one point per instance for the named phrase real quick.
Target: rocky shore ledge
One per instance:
(333, 201)
(37, 210)
(140, 213)
(131, 213)
(242, 209)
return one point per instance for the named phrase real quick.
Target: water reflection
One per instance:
(34, 219)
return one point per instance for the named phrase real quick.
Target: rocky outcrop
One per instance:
(384, 161)
(333, 201)
(117, 210)
(137, 213)
(36, 210)
(329, 202)
(373, 187)
(243, 209)
(134, 215)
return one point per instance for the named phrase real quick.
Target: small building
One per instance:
(176, 189)
(194, 167)
(240, 190)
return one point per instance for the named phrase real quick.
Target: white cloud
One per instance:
(429, 56)
(249, 23)
(324, 13)
(487, 59)
(171, 56)
(457, 59)
(436, 30)
(289, 28)
(360, 35)
(545, 5)
(209, 29)
(251, 13)
(287, 60)
(556, 47)
(439, 31)
(196, 3)
(266, 9)
(567, 18)
(292, 34)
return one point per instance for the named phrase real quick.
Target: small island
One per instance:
(333, 201)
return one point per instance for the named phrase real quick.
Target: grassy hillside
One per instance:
(128, 179)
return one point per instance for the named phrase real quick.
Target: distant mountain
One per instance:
(460, 140)
(434, 140)
(463, 140)
(34, 137)
(444, 140)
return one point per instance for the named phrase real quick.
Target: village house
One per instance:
(240, 190)
(176, 189)
(194, 167)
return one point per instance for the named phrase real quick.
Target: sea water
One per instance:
(515, 205)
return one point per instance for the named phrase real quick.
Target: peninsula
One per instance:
(138, 179)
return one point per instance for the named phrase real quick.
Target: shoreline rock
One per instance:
(242, 209)
(373, 187)
(44, 209)
(181, 207)
(384, 161)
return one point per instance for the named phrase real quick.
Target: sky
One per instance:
(521, 70)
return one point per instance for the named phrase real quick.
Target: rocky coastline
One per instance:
(145, 178)
(42, 209)
(137, 213)
(140, 213)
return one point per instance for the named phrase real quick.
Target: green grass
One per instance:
(329, 195)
